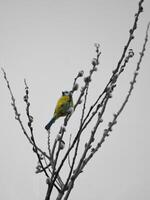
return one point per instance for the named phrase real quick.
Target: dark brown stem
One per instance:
(48, 193)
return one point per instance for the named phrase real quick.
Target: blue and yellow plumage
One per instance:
(63, 106)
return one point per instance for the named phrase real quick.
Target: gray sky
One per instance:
(48, 42)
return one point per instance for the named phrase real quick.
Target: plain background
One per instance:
(48, 42)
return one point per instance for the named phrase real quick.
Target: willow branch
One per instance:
(131, 37)
(114, 121)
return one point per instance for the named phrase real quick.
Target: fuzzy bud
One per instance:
(109, 124)
(95, 62)
(82, 89)
(101, 120)
(38, 166)
(80, 101)
(114, 78)
(62, 144)
(108, 89)
(80, 74)
(141, 53)
(135, 15)
(136, 73)
(87, 79)
(97, 45)
(16, 117)
(48, 180)
(31, 118)
(70, 111)
(75, 87)
(74, 171)
(110, 129)
(37, 171)
(114, 71)
(41, 157)
(92, 140)
(110, 96)
(85, 145)
(34, 149)
(95, 69)
(63, 128)
(58, 137)
(131, 53)
(115, 115)
(115, 122)
(141, 9)
(131, 82)
(130, 31)
(25, 98)
(106, 133)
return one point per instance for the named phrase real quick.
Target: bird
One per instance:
(63, 107)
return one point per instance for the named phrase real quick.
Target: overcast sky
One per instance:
(48, 42)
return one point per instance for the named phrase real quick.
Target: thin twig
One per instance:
(69, 163)
(48, 143)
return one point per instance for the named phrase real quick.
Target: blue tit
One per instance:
(63, 107)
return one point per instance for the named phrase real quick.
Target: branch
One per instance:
(114, 121)
(69, 163)
(30, 118)
(131, 37)
(18, 118)
(95, 63)
(87, 79)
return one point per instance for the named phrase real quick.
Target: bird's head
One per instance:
(65, 93)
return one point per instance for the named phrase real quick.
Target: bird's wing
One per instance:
(62, 105)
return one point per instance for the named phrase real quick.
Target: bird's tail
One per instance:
(47, 127)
